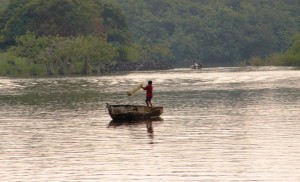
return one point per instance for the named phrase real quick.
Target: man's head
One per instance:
(150, 82)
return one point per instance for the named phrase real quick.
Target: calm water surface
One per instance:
(219, 124)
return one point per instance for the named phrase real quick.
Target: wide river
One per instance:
(219, 124)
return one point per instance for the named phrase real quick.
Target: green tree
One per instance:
(63, 18)
(65, 55)
(219, 32)
(292, 55)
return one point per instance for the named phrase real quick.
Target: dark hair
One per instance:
(150, 82)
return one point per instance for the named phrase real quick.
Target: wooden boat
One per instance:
(125, 112)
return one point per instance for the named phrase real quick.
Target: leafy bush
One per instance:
(64, 55)
(292, 55)
(11, 65)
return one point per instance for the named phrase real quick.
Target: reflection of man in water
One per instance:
(150, 129)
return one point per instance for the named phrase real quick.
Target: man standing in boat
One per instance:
(149, 93)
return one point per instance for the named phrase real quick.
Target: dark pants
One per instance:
(148, 99)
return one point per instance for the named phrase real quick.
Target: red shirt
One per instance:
(149, 89)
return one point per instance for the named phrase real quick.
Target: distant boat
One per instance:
(125, 112)
(196, 66)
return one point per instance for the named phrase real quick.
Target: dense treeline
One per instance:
(54, 37)
(63, 37)
(218, 32)
(63, 18)
(290, 57)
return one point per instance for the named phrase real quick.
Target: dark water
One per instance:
(220, 124)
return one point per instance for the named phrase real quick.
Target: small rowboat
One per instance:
(123, 112)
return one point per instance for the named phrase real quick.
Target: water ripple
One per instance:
(219, 124)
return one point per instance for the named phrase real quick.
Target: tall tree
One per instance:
(62, 17)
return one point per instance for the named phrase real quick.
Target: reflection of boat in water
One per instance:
(130, 123)
(114, 123)
(131, 112)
